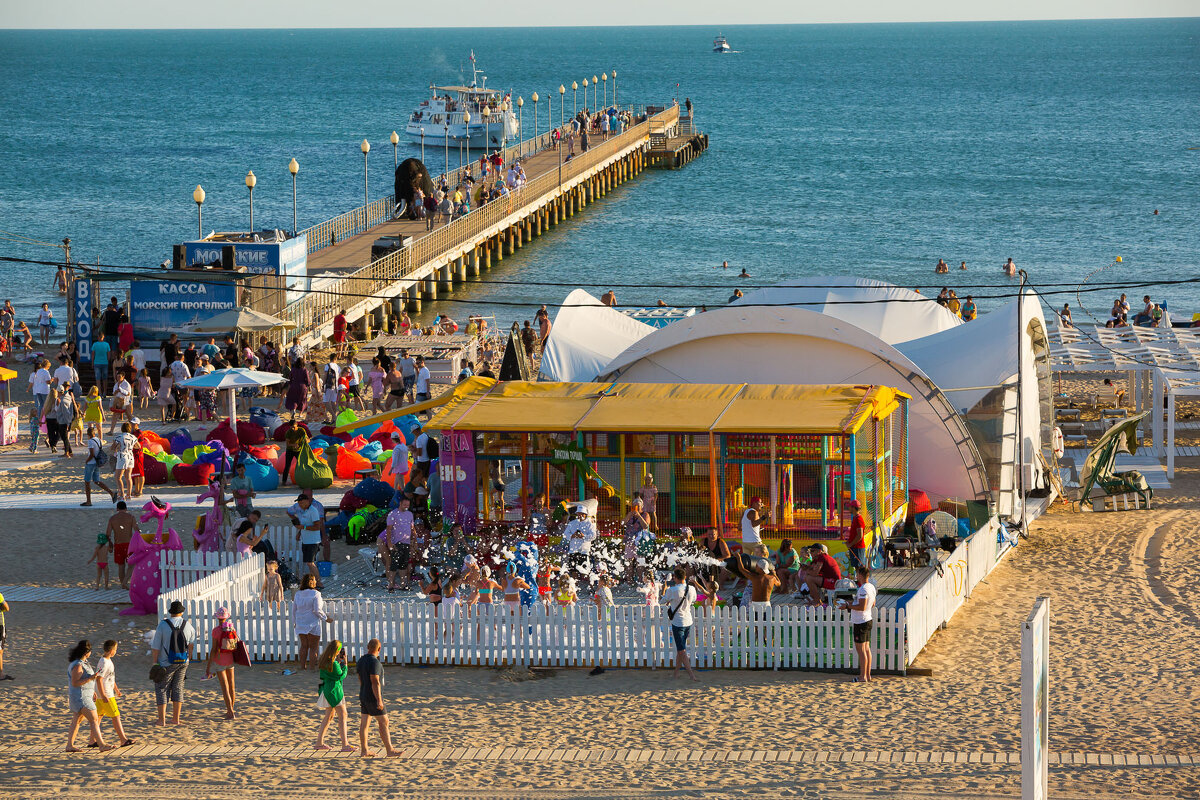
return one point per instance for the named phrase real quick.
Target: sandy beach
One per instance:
(1123, 682)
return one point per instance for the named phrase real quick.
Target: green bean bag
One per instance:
(190, 455)
(311, 472)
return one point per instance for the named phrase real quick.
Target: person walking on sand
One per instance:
(119, 531)
(220, 659)
(370, 698)
(862, 614)
(170, 650)
(91, 467)
(677, 600)
(81, 696)
(3, 639)
(308, 612)
(107, 692)
(331, 697)
(100, 555)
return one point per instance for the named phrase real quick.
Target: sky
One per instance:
(86, 14)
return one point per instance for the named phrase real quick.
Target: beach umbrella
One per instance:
(241, 319)
(232, 379)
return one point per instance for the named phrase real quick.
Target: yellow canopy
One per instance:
(482, 404)
(7, 374)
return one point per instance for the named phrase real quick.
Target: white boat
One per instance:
(439, 120)
(720, 45)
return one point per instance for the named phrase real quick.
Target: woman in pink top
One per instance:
(375, 381)
(220, 658)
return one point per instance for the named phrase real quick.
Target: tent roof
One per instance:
(891, 313)
(586, 336)
(486, 405)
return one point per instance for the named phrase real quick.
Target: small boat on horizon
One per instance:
(720, 45)
(440, 120)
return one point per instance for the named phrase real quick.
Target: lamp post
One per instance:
(446, 140)
(562, 99)
(604, 77)
(595, 93)
(614, 74)
(366, 148)
(487, 130)
(504, 108)
(293, 168)
(467, 132)
(395, 149)
(585, 85)
(422, 144)
(535, 102)
(198, 196)
(250, 182)
(574, 98)
(521, 123)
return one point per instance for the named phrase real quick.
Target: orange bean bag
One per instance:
(267, 451)
(349, 462)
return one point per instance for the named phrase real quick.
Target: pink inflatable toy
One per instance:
(208, 538)
(146, 580)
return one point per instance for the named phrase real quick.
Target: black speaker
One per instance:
(227, 257)
(179, 257)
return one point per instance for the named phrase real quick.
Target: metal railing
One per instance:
(352, 223)
(316, 309)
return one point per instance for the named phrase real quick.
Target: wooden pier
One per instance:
(344, 276)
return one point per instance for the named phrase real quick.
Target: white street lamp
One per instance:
(487, 130)
(366, 148)
(198, 196)
(521, 122)
(562, 92)
(535, 102)
(250, 183)
(395, 149)
(574, 98)
(604, 77)
(293, 168)
(595, 93)
(614, 74)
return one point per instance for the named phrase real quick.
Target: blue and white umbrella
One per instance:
(232, 379)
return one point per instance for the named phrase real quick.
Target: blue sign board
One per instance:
(81, 296)
(158, 308)
(288, 258)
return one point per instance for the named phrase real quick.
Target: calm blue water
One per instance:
(868, 149)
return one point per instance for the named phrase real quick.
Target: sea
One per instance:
(864, 150)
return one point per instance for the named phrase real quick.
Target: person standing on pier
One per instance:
(339, 333)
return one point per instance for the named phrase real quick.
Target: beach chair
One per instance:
(1106, 399)
(1101, 485)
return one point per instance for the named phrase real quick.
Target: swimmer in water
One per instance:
(963, 266)
(1010, 268)
(743, 273)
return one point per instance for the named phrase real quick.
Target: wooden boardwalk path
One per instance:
(65, 594)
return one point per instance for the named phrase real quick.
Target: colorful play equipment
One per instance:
(146, 579)
(208, 532)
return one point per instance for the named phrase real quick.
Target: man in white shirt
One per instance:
(309, 518)
(180, 373)
(394, 544)
(139, 356)
(579, 534)
(752, 519)
(421, 445)
(91, 468)
(408, 371)
(122, 402)
(65, 373)
(861, 616)
(421, 385)
(678, 599)
(39, 383)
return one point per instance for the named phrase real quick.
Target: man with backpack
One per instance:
(170, 650)
(96, 458)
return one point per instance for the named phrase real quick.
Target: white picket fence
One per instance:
(178, 568)
(237, 581)
(940, 597)
(789, 637)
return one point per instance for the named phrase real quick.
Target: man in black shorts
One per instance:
(862, 615)
(370, 698)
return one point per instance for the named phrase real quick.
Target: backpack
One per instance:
(176, 643)
(101, 457)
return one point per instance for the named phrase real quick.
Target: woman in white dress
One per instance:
(308, 612)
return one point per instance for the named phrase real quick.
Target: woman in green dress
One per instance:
(331, 697)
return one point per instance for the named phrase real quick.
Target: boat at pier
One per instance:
(720, 45)
(440, 120)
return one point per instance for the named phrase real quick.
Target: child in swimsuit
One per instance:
(484, 586)
(512, 589)
(272, 588)
(100, 556)
(543, 583)
(566, 591)
(450, 599)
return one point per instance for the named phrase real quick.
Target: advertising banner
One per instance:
(1035, 701)
(81, 296)
(456, 462)
(289, 258)
(158, 308)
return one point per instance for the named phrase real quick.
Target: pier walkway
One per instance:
(343, 275)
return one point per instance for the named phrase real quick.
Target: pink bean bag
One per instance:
(192, 474)
(249, 433)
(225, 435)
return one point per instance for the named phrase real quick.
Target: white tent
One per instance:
(976, 366)
(791, 345)
(889, 312)
(585, 337)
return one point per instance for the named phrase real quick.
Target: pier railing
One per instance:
(319, 306)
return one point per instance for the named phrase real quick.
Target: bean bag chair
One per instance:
(224, 434)
(390, 478)
(190, 455)
(351, 502)
(348, 463)
(405, 425)
(264, 418)
(192, 474)
(370, 451)
(155, 472)
(151, 447)
(367, 430)
(357, 443)
(311, 472)
(381, 436)
(180, 440)
(267, 451)
(263, 477)
(345, 417)
(168, 460)
(328, 430)
(277, 462)
(216, 455)
(324, 442)
(278, 433)
(249, 433)
(373, 491)
(149, 438)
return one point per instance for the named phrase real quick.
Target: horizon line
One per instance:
(661, 25)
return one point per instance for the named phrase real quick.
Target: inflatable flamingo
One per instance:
(209, 539)
(146, 579)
